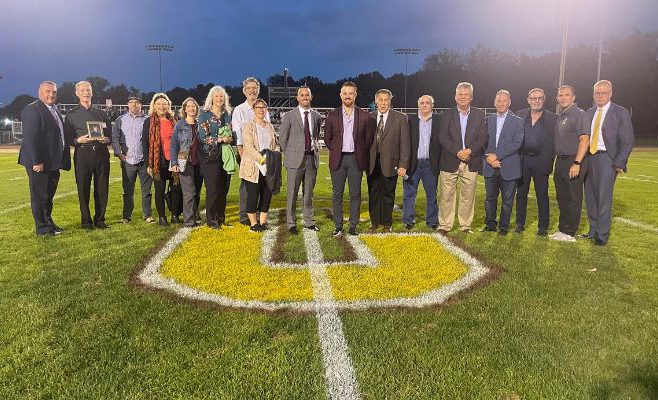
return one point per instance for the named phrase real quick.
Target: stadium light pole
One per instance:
(563, 56)
(406, 52)
(160, 48)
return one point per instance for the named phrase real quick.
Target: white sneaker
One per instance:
(563, 237)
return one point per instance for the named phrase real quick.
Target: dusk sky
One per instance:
(225, 41)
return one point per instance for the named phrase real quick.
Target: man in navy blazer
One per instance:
(502, 167)
(423, 164)
(43, 153)
(610, 145)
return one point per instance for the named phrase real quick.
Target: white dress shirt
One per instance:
(600, 145)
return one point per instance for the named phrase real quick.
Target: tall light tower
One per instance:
(160, 48)
(563, 57)
(406, 52)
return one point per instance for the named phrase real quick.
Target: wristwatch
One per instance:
(576, 162)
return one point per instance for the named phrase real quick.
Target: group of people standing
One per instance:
(178, 154)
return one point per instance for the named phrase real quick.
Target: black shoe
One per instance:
(352, 232)
(432, 227)
(542, 232)
(214, 226)
(584, 236)
(599, 242)
(48, 234)
(373, 228)
(313, 228)
(293, 230)
(190, 225)
(519, 229)
(264, 227)
(101, 225)
(488, 229)
(162, 221)
(337, 232)
(408, 226)
(175, 219)
(255, 228)
(503, 232)
(87, 227)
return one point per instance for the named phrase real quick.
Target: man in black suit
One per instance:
(463, 138)
(43, 153)
(537, 157)
(423, 164)
(610, 145)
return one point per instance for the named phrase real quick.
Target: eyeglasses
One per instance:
(536, 98)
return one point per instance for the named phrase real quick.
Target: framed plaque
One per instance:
(95, 130)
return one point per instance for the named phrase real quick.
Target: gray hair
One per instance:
(250, 79)
(603, 82)
(569, 87)
(77, 85)
(429, 97)
(207, 105)
(537, 90)
(386, 91)
(503, 91)
(464, 85)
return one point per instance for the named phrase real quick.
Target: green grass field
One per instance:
(73, 326)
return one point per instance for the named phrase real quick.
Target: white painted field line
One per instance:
(637, 224)
(637, 179)
(338, 368)
(12, 170)
(57, 196)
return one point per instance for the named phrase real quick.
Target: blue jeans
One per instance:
(410, 188)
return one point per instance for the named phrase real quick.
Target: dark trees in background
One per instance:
(630, 63)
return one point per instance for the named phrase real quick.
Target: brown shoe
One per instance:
(388, 228)
(373, 228)
(442, 232)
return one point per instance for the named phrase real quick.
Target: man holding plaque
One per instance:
(87, 127)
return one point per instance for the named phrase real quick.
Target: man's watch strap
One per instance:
(576, 162)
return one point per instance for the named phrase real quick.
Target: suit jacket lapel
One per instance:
(387, 124)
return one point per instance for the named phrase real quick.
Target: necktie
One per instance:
(58, 121)
(380, 130)
(307, 132)
(594, 142)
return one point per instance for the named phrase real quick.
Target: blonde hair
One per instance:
(183, 113)
(603, 82)
(77, 85)
(159, 96)
(207, 105)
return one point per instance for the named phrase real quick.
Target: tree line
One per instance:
(631, 63)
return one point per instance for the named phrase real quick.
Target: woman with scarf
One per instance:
(215, 136)
(156, 139)
(184, 158)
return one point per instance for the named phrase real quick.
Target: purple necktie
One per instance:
(307, 132)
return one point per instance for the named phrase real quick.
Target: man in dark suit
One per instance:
(610, 144)
(389, 158)
(43, 153)
(503, 163)
(424, 154)
(463, 138)
(298, 137)
(537, 157)
(348, 134)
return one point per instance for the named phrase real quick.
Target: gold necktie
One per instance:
(594, 142)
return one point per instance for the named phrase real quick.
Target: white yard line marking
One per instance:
(57, 196)
(12, 170)
(637, 224)
(637, 179)
(17, 178)
(338, 368)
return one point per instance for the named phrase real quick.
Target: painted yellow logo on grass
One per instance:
(234, 268)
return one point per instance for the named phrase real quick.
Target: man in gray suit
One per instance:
(298, 137)
(389, 158)
(503, 163)
(610, 145)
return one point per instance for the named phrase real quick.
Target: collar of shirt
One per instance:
(464, 113)
(420, 117)
(385, 116)
(569, 109)
(345, 115)
(605, 108)
(302, 110)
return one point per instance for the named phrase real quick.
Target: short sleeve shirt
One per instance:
(572, 123)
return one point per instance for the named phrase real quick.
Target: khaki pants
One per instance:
(466, 207)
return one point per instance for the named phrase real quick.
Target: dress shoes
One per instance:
(352, 231)
(488, 229)
(442, 232)
(162, 221)
(57, 229)
(599, 242)
(408, 226)
(49, 234)
(293, 230)
(519, 229)
(175, 219)
(373, 228)
(312, 228)
(101, 225)
(542, 232)
(388, 228)
(503, 232)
